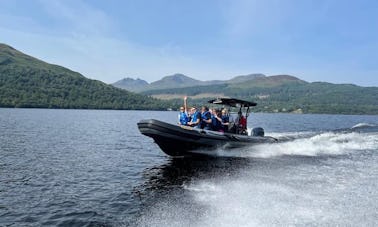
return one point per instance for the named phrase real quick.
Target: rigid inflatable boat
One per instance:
(182, 141)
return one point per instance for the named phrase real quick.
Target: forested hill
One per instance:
(286, 94)
(28, 82)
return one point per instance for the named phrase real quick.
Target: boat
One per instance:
(185, 141)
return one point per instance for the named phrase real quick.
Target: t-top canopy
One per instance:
(232, 102)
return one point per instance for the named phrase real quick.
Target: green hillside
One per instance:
(289, 94)
(28, 82)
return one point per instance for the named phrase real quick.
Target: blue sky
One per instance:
(334, 41)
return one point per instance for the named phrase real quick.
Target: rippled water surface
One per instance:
(94, 168)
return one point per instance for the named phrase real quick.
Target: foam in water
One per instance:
(322, 144)
(325, 193)
(306, 144)
(363, 125)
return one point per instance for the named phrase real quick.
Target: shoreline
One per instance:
(257, 112)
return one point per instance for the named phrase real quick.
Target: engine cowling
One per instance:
(258, 132)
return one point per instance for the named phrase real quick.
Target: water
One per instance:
(93, 168)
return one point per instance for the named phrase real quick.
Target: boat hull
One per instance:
(179, 141)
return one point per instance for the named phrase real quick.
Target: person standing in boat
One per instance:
(205, 118)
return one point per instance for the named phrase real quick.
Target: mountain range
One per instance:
(177, 80)
(26, 81)
(278, 93)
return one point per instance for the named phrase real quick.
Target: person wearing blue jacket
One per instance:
(183, 117)
(216, 121)
(195, 120)
(205, 118)
(225, 120)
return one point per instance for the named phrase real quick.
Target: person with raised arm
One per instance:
(183, 115)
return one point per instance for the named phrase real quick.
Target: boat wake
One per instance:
(361, 137)
(267, 190)
(273, 188)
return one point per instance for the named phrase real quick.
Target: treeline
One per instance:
(46, 88)
(294, 96)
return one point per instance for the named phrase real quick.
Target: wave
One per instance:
(277, 192)
(361, 137)
(322, 144)
(364, 125)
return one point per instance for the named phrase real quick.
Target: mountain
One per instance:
(284, 93)
(29, 82)
(278, 93)
(230, 87)
(268, 81)
(177, 80)
(172, 81)
(243, 78)
(131, 84)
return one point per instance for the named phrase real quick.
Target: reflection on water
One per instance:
(177, 172)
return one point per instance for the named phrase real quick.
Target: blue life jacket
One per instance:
(183, 118)
(225, 119)
(216, 125)
(204, 124)
(194, 117)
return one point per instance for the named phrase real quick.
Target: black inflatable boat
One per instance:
(179, 141)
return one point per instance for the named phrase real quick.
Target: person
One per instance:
(195, 118)
(216, 121)
(225, 120)
(189, 116)
(241, 124)
(183, 115)
(205, 118)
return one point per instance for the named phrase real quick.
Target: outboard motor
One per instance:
(258, 132)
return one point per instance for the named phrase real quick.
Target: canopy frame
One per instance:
(232, 102)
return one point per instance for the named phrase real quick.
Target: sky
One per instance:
(322, 40)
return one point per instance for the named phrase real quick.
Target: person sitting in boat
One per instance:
(225, 120)
(242, 124)
(183, 117)
(216, 121)
(205, 118)
(189, 116)
(195, 120)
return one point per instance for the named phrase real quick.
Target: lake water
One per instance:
(94, 168)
